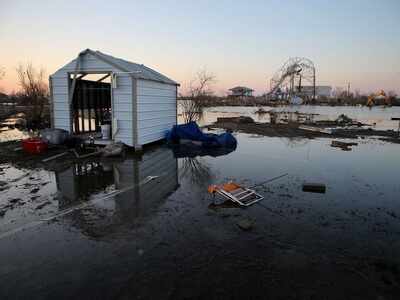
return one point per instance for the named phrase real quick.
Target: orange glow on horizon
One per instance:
(225, 78)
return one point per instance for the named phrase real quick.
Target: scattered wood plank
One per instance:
(236, 120)
(341, 144)
(314, 187)
(90, 154)
(316, 129)
(75, 153)
(54, 156)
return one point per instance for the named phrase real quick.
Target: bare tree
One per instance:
(391, 97)
(196, 170)
(338, 92)
(34, 91)
(201, 85)
(392, 94)
(199, 90)
(2, 72)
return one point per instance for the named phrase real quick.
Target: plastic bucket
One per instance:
(34, 145)
(106, 131)
(54, 136)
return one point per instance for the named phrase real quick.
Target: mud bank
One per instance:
(295, 130)
(11, 152)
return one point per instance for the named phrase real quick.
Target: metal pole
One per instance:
(348, 90)
(314, 83)
(269, 180)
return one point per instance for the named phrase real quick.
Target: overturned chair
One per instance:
(236, 193)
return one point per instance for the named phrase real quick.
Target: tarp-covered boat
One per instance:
(191, 132)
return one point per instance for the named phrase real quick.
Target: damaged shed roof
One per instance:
(139, 70)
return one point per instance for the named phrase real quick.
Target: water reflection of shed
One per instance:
(140, 197)
(83, 179)
(146, 196)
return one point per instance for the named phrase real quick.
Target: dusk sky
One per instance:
(242, 43)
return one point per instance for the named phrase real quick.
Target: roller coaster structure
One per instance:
(289, 80)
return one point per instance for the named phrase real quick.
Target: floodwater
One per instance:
(379, 116)
(146, 228)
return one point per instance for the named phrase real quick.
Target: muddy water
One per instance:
(105, 229)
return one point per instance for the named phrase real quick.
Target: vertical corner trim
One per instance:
(51, 100)
(135, 122)
(176, 104)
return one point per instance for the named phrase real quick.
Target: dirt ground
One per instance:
(11, 152)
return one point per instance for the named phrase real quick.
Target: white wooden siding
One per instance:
(60, 102)
(122, 109)
(156, 110)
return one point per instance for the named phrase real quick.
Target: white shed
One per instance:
(138, 102)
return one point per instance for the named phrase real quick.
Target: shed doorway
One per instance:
(91, 103)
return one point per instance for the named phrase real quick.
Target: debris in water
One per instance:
(245, 224)
(344, 119)
(114, 149)
(239, 120)
(261, 111)
(225, 204)
(54, 156)
(343, 145)
(314, 187)
(316, 129)
(54, 136)
(236, 193)
(34, 145)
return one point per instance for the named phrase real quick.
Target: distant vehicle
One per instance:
(381, 95)
(296, 100)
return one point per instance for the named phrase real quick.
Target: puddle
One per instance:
(116, 190)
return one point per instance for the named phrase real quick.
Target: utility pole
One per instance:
(348, 90)
(314, 92)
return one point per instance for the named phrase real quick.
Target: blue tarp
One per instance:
(191, 131)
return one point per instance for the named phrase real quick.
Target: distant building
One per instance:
(241, 91)
(320, 91)
(4, 98)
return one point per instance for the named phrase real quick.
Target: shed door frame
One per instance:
(111, 94)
